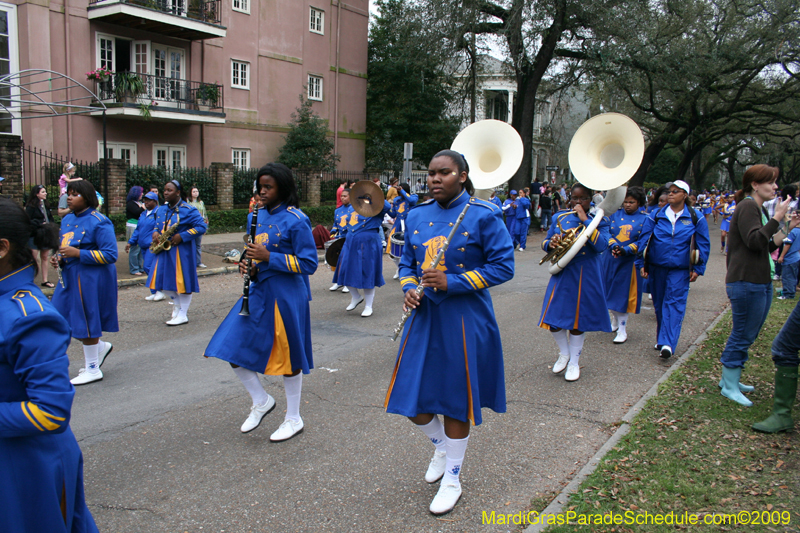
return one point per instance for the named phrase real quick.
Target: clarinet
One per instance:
(59, 261)
(434, 262)
(246, 292)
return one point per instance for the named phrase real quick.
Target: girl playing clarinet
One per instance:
(450, 360)
(175, 270)
(575, 300)
(622, 279)
(275, 339)
(88, 296)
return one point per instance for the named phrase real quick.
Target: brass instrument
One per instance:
(565, 242)
(163, 243)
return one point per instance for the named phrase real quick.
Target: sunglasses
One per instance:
(675, 191)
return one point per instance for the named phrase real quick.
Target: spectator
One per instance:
(392, 192)
(38, 211)
(133, 210)
(749, 280)
(342, 187)
(546, 203)
(536, 192)
(197, 203)
(67, 177)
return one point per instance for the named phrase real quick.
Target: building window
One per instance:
(241, 158)
(9, 62)
(240, 74)
(314, 88)
(242, 6)
(317, 21)
(124, 151)
(105, 52)
(169, 157)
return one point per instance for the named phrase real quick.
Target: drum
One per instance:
(333, 248)
(396, 242)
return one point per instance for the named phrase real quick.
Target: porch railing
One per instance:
(172, 92)
(203, 10)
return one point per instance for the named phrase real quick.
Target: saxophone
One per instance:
(163, 243)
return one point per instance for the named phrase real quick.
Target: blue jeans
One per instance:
(789, 279)
(787, 344)
(198, 249)
(750, 303)
(135, 262)
(547, 214)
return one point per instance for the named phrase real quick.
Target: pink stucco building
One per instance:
(221, 77)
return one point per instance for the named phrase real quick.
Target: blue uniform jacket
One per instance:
(670, 250)
(286, 233)
(625, 230)
(597, 242)
(523, 208)
(93, 234)
(340, 219)
(143, 234)
(470, 264)
(496, 201)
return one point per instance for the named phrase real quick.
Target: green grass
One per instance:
(692, 450)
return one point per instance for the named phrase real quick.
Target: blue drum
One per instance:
(396, 242)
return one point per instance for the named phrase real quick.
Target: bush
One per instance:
(320, 215)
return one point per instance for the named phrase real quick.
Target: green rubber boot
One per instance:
(785, 393)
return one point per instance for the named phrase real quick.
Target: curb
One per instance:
(556, 506)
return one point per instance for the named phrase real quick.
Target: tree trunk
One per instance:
(650, 154)
(529, 76)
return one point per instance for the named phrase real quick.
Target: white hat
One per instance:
(681, 185)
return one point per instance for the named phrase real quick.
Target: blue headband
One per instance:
(177, 184)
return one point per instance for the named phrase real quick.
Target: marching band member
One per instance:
(277, 333)
(340, 218)
(581, 302)
(509, 212)
(41, 464)
(726, 209)
(521, 211)
(669, 266)
(361, 261)
(450, 360)
(175, 270)
(401, 204)
(143, 236)
(495, 200)
(622, 279)
(88, 298)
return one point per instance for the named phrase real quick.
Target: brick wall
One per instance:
(223, 177)
(117, 190)
(11, 166)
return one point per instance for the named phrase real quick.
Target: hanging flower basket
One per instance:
(100, 74)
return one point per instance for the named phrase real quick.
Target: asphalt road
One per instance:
(163, 451)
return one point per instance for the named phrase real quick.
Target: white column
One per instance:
(510, 105)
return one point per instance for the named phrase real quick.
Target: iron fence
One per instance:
(147, 175)
(45, 168)
(203, 10)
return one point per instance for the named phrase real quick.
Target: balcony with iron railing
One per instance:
(161, 98)
(185, 19)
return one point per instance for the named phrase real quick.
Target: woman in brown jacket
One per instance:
(752, 237)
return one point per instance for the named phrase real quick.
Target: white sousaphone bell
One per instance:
(604, 153)
(493, 150)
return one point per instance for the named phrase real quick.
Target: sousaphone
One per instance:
(604, 153)
(493, 150)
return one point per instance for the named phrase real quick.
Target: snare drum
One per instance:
(396, 242)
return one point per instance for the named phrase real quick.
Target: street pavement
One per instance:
(163, 451)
